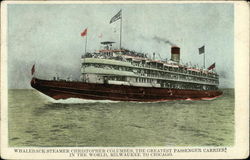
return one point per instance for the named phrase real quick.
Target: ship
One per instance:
(126, 75)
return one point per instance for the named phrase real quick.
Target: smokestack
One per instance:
(175, 54)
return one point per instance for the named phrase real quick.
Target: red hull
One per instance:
(64, 90)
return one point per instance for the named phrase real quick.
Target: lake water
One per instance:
(35, 120)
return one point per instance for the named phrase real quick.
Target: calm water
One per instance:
(36, 121)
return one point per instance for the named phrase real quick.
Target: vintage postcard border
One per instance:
(241, 148)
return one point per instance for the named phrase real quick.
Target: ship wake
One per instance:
(80, 101)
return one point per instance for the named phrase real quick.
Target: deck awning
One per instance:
(107, 42)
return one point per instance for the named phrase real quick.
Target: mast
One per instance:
(86, 43)
(204, 60)
(202, 51)
(121, 31)
(118, 16)
(83, 34)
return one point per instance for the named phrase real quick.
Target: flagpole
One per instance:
(204, 58)
(121, 31)
(204, 63)
(86, 43)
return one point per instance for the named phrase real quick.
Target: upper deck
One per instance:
(127, 67)
(122, 59)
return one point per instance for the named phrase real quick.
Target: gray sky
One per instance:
(49, 35)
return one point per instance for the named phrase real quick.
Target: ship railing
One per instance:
(183, 79)
(180, 72)
(178, 79)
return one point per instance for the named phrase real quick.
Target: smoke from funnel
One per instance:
(159, 39)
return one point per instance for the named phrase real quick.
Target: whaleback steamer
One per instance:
(125, 75)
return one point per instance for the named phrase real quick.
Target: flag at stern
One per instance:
(211, 67)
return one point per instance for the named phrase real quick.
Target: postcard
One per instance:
(124, 80)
